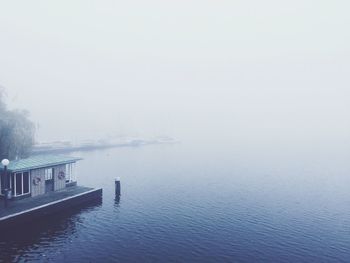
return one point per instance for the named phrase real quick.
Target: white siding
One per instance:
(59, 183)
(38, 189)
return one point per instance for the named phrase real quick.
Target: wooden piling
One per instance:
(117, 186)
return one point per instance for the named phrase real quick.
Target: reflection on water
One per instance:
(117, 201)
(42, 232)
(189, 204)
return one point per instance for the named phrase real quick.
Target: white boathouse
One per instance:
(38, 175)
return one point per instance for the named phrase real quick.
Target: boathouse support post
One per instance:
(6, 184)
(5, 163)
(117, 186)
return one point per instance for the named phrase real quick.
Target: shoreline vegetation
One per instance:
(17, 131)
(91, 145)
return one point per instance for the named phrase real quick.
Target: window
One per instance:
(25, 184)
(48, 174)
(69, 173)
(12, 182)
(19, 183)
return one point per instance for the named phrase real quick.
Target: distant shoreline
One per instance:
(91, 145)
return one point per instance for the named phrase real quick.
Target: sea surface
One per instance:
(188, 203)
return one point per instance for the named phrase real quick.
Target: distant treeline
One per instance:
(16, 132)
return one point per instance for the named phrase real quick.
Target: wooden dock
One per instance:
(29, 209)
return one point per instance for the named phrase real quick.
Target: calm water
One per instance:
(183, 203)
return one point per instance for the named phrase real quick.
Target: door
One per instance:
(49, 180)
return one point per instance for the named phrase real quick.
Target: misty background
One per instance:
(256, 92)
(216, 72)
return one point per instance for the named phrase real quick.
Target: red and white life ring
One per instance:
(61, 175)
(36, 180)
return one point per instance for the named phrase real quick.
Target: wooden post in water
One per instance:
(117, 186)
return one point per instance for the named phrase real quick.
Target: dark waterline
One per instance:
(184, 205)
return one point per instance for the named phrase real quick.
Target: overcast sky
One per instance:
(187, 69)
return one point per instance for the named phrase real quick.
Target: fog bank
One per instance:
(216, 71)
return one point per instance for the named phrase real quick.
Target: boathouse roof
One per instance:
(39, 161)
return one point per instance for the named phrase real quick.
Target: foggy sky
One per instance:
(188, 69)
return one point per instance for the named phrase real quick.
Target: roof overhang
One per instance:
(39, 161)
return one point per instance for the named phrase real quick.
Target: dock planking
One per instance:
(28, 209)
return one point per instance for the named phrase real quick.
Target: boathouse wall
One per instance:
(38, 175)
(59, 180)
(37, 185)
